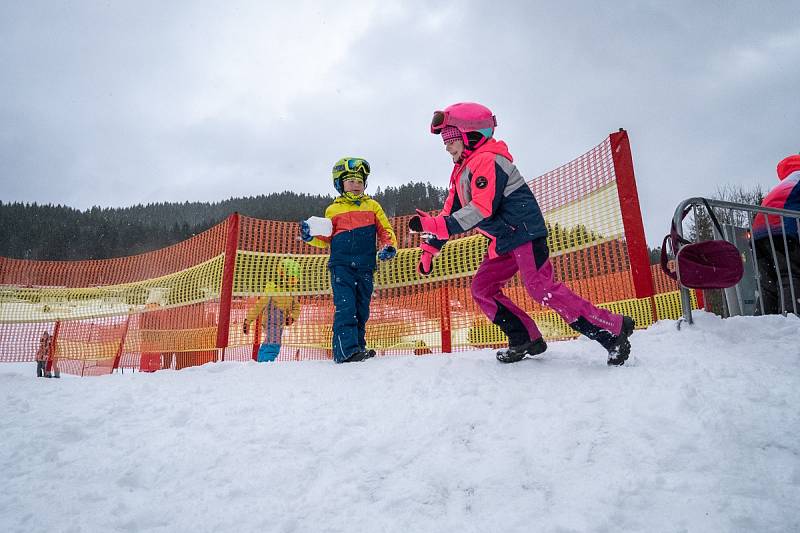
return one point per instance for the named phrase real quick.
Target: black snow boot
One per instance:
(618, 346)
(512, 354)
(360, 355)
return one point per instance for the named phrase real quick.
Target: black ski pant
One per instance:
(775, 274)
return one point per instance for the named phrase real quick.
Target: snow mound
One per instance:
(697, 433)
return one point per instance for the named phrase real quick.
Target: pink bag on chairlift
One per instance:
(704, 265)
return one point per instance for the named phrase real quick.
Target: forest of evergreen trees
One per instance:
(48, 232)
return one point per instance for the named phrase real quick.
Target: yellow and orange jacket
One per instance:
(287, 306)
(277, 308)
(358, 221)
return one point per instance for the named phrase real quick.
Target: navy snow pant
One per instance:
(352, 291)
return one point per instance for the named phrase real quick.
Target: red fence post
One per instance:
(226, 290)
(447, 346)
(632, 217)
(257, 337)
(121, 344)
(52, 350)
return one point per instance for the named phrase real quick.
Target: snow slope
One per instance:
(699, 433)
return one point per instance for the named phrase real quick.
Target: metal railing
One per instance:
(737, 226)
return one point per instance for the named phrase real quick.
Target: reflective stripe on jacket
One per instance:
(488, 192)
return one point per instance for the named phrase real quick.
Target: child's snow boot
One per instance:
(618, 346)
(360, 355)
(512, 354)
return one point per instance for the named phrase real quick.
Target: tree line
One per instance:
(57, 232)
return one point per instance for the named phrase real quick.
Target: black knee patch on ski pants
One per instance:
(511, 325)
(540, 251)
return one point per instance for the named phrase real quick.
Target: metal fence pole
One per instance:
(753, 211)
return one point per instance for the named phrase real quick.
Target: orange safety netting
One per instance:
(185, 305)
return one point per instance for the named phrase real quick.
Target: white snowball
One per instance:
(320, 226)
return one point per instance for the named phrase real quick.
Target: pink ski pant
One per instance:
(495, 272)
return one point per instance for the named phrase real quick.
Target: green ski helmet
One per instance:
(349, 166)
(290, 271)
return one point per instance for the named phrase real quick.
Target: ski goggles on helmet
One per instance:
(446, 118)
(350, 165)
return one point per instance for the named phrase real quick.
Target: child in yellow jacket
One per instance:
(357, 221)
(277, 309)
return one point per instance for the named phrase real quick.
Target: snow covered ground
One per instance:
(701, 432)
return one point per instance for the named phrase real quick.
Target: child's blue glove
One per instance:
(387, 252)
(305, 232)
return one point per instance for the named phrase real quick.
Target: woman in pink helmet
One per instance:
(487, 192)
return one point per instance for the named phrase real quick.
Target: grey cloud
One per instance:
(122, 103)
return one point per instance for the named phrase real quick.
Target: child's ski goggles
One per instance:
(445, 118)
(350, 165)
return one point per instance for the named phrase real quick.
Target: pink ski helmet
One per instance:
(475, 122)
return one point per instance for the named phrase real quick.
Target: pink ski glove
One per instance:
(425, 265)
(424, 223)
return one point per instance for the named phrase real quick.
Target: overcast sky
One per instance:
(118, 103)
